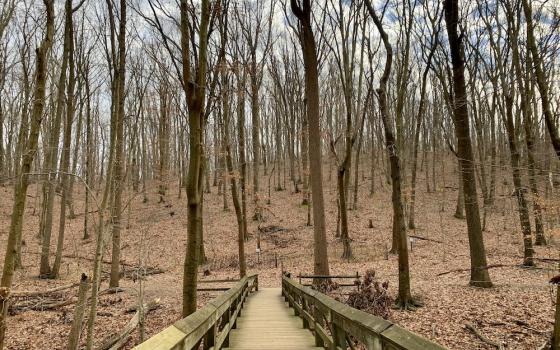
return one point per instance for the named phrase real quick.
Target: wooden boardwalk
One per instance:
(246, 317)
(266, 322)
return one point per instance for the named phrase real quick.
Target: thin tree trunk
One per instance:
(404, 299)
(419, 118)
(118, 175)
(231, 175)
(78, 318)
(541, 78)
(51, 156)
(460, 206)
(65, 161)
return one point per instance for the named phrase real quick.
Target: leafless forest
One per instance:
(149, 146)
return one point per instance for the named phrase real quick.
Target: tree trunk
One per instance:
(163, 140)
(89, 152)
(526, 92)
(320, 257)
(51, 156)
(460, 207)
(20, 191)
(65, 161)
(479, 271)
(241, 134)
(195, 91)
(77, 320)
(404, 299)
(541, 78)
(255, 131)
(231, 175)
(118, 174)
(519, 189)
(419, 118)
(305, 156)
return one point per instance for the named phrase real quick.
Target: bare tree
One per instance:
(303, 13)
(479, 270)
(20, 191)
(404, 299)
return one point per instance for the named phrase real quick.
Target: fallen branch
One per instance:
(542, 259)
(35, 293)
(44, 304)
(482, 337)
(466, 270)
(216, 289)
(117, 340)
(527, 326)
(219, 281)
(424, 238)
(73, 256)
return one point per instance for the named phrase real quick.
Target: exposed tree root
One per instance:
(410, 304)
(482, 337)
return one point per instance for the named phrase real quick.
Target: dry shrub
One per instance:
(326, 286)
(371, 296)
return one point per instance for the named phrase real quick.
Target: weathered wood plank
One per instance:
(374, 332)
(268, 323)
(400, 338)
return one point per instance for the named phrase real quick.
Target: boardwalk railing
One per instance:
(210, 325)
(335, 324)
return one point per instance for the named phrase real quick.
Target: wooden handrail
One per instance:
(334, 324)
(210, 325)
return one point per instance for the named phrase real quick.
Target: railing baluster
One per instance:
(303, 309)
(339, 337)
(210, 337)
(226, 320)
(318, 317)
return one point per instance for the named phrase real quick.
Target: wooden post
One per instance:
(226, 320)
(234, 324)
(304, 308)
(240, 303)
(318, 316)
(210, 338)
(339, 337)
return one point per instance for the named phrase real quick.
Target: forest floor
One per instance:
(517, 312)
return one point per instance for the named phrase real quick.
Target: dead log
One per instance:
(43, 304)
(35, 293)
(117, 340)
